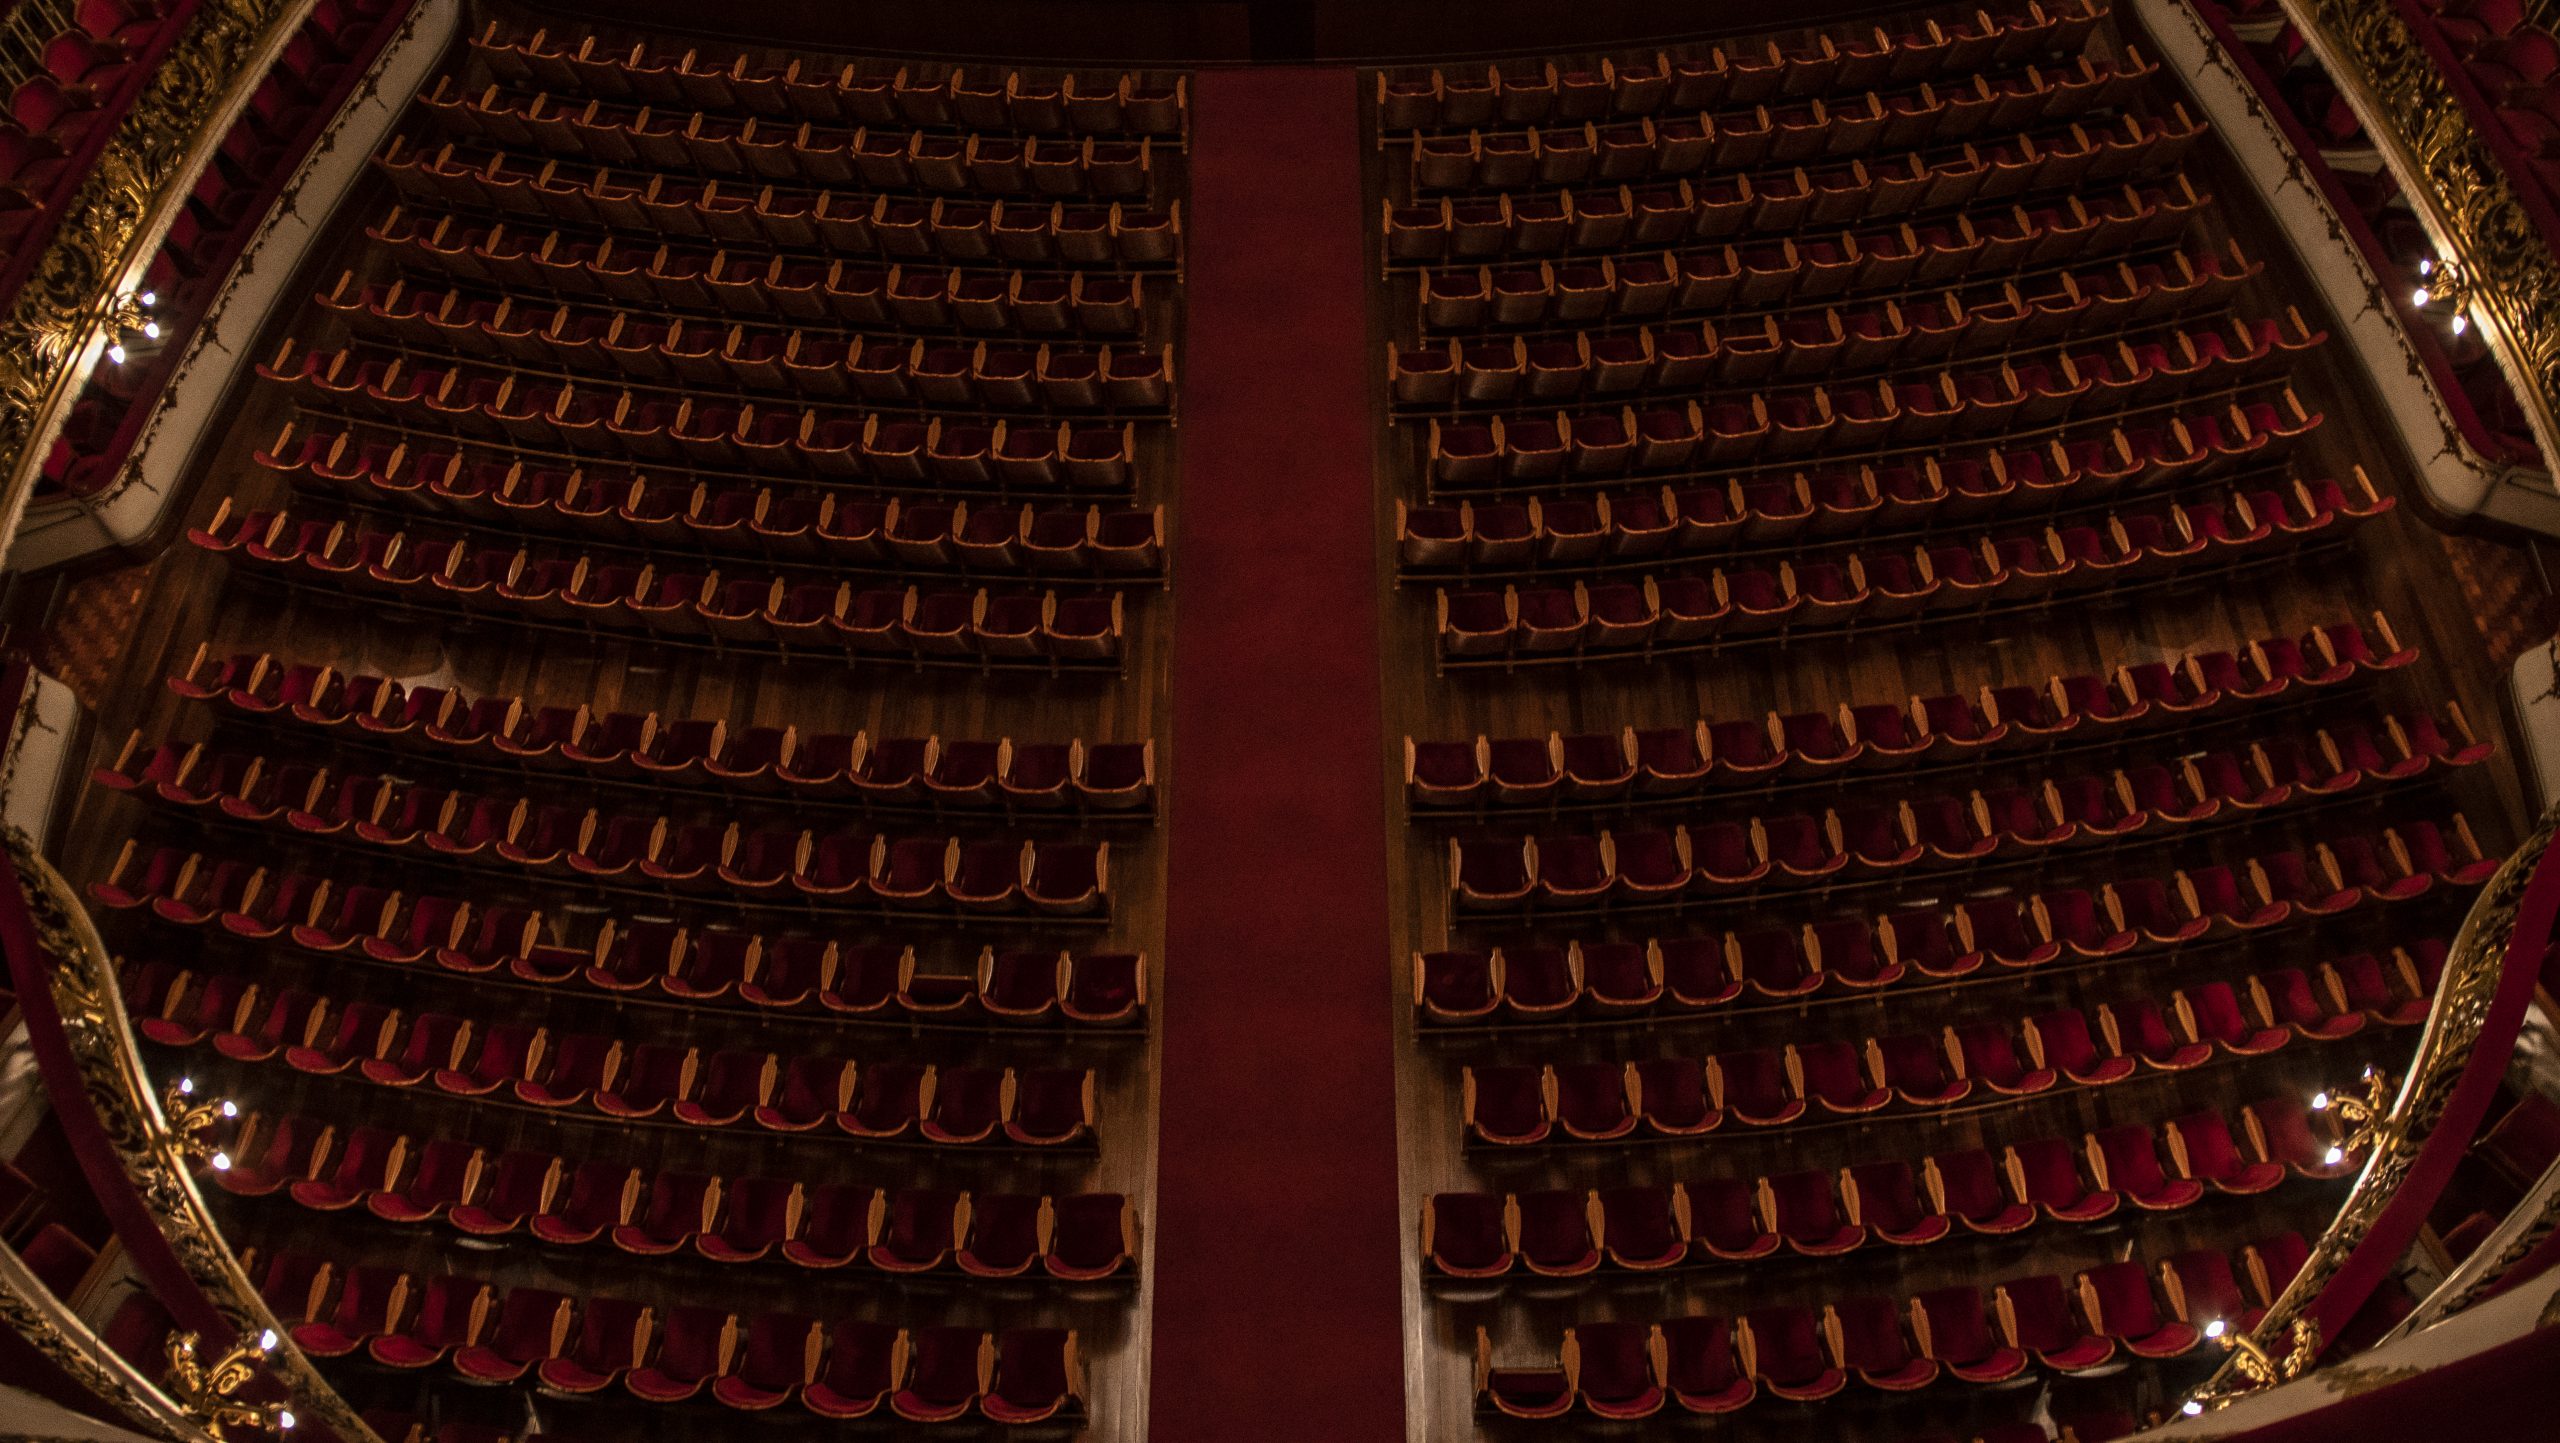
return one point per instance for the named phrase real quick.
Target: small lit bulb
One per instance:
(2420, 297)
(2192, 1408)
(151, 329)
(2461, 324)
(152, 298)
(230, 1108)
(2334, 1156)
(186, 1085)
(116, 354)
(267, 1341)
(222, 1162)
(284, 1420)
(2320, 1101)
(2426, 267)
(2215, 1329)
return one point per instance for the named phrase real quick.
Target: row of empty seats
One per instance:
(1932, 277)
(1564, 533)
(1740, 72)
(1529, 984)
(1899, 117)
(1639, 1228)
(1862, 843)
(673, 513)
(1525, 1105)
(709, 355)
(1532, 223)
(734, 860)
(1084, 1237)
(709, 966)
(678, 138)
(932, 97)
(1711, 1364)
(728, 283)
(498, 729)
(601, 1076)
(2199, 435)
(582, 1345)
(689, 603)
(1811, 748)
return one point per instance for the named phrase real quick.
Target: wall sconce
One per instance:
(2442, 281)
(189, 1115)
(2366, 1120)
(205, 1391)
(127, 320)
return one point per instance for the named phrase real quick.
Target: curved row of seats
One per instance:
(782, 524)
(623, 957)
(712, 857)
(918, 95)
(1710, 1364)
(890, 772)
(677, 138)
(1794, 131)
(1668, 977)
(1079, 1237)
(1860, 840)
(1565, 533)
(723, 282)
(2180, 428)
(1531, 223)
(1932, 272)
(1517, 1105)
(511, 583)
(1499, 367)
(1501, 371)
(1642, 1228)
(796, 221)
(1524, 92)
(502, 405)
(747, 356)
(595, 1075)
(1745, 603)
(580, 1345)
(1802, 748)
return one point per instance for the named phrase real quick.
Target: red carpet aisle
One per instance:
(1277, 1302)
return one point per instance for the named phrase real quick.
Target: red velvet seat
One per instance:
(2061, 1041)
(1803, 1209)
(1050, 1106)
(1537, 982)
(1785, 1348)
(445, 1173)
(1953, 1331)
(1884, 1199)
(2125, 1160)
(1616, 1368)
(1670, 1097)
(612, 1335)
(943, 1374)
(676, 1207)
(915, 1229)
(835, 1225)
(1002, 1239)
(370, 1301)
(1988, 1052)
(1753, 1086)
(779, 1355)
(2045, 1173)
(1700, 1368)
(1454, 987)
(887, 1099)
(1520, 1392)
(2201, 1148)
(863, 1363)
(451, 1313)
(519, 1186)
(2137, 1027)
(531, 1328)
(2118, 1299)
(2039, 1315)
(1836, 1074)
(1511, 1105)
(694, 1344)
(757, 1215)
(1866, 1338)
(1553, 1229)
(367, 1160)
(1034, 1374)
(598, 1196)
(1726, 1219)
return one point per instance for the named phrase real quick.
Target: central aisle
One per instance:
(1277, 1305)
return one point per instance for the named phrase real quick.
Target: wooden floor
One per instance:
(194, 597)
(2394, 565)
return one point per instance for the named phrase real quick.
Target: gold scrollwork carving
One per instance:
(2510, 275)
(2472, 975)
(30, 1310)
(81, 980)
(67, 313)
